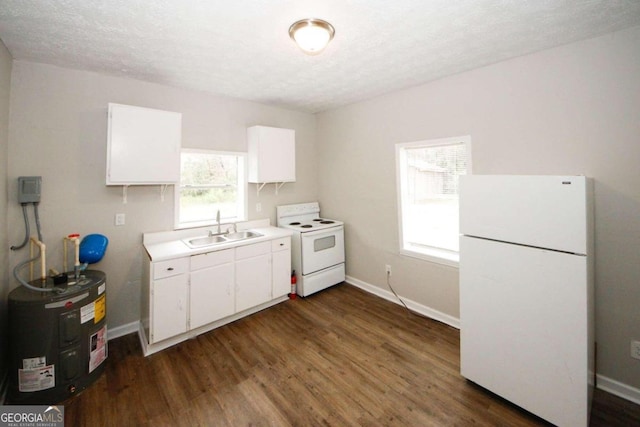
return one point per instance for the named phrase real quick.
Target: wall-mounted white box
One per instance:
(272, 154)
(143, 146)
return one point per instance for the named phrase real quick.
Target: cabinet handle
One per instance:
(170, 269)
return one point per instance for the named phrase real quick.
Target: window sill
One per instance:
(448, 258)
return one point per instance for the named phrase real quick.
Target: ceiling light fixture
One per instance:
(311, 35)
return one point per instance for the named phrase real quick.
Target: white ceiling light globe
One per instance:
(312, 35)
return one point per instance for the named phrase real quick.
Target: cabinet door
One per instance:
(272, 154)
(253, 281)
(281, 273)
(143, 146)
(211, 294)
(169, 307)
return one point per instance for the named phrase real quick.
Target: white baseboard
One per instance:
(120, 331)
(619, 389)
(412, 305)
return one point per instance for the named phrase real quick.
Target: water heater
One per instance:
(57, 340)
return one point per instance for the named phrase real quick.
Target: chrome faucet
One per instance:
(218, 221)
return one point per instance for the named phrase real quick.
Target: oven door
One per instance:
(322, 249)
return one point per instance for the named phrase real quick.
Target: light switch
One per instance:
(119, 219)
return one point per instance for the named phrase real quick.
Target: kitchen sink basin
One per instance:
(199, 242)
(240, 235)
(204, 241)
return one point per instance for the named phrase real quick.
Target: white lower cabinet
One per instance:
(281, 266)
(208, 290)
(212, 287)
(253, 275)
(169, 292)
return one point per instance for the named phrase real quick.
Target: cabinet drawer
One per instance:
(250, 251)
(211, 259)
(281, 244)
(170, 267)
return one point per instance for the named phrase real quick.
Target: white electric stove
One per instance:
(317, 246)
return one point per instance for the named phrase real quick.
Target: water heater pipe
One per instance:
(43, 258)
(75, 238)
(24, 283)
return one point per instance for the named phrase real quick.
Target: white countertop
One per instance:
(166, 247)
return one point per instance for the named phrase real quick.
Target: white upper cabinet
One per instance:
(143, 146)
(272, 154)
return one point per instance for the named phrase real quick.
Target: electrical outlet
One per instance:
(387, 268)
(635, 349)
(119, 220)
(258, 207)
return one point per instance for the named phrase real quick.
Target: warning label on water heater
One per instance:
(87, 312)
(100, 309)
(95, 310)
(37, 378)
(97, 348)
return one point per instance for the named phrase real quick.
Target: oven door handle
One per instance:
(326, 231)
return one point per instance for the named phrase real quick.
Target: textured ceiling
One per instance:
(242, 48)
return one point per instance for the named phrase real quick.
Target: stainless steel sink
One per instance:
(241, 235)
(199, 242)
(204, 241)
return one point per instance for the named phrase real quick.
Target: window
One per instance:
(210, 181)
(427, 178)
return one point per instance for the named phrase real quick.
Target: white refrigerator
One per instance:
(526, 292)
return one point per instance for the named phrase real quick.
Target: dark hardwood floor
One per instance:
(341, 357)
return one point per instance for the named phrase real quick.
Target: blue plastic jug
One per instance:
(92, 248)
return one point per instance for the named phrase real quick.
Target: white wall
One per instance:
(58, 129)
(5, 85)
(570, 110)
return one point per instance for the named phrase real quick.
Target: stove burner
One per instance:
(306, 226)
(326, 222)
(318, 219)
(294, 223)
